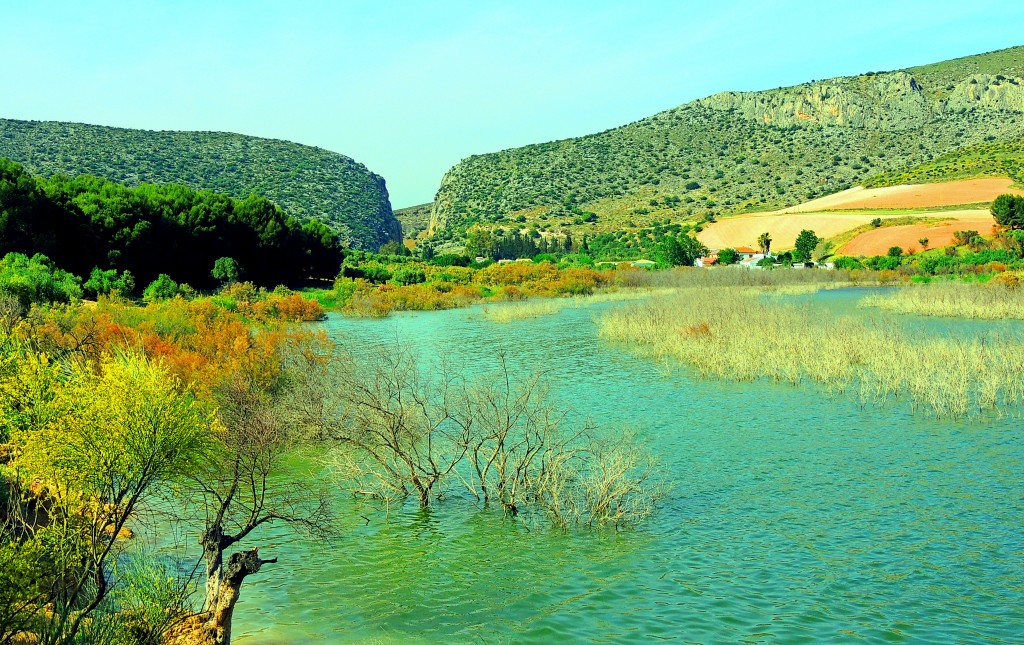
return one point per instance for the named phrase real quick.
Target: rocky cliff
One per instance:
(894, 101)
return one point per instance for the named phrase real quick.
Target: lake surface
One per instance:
(791, 516)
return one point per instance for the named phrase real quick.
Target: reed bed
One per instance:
(807, 279)
(734, 334)
(509, 312)
(992, 301)
(512, 311)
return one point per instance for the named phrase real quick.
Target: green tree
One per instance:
(36, 280)
(848, 263)
(680, 250)
(409, 275)
(1008, 211)
(895, 252)
(226, 270)
(375, 273)
(393, 248)
(728, 256)
(479, 242)
(101, 283)
(804, 245)
(764, 242)
(162, 288)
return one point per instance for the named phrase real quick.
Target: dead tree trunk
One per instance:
(228, 584)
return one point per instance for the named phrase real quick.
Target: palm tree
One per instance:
(765, 242)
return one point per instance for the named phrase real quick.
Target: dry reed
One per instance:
(533, 308)
(992, 301)
(735, 334)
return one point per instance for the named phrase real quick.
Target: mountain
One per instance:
(306, 182)
(414, 219)
(741, 151)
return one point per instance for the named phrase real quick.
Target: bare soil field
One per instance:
(879, 240)
(968, 191)
(744, 230)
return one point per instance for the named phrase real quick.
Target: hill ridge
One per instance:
(736, 151)
(306, 181)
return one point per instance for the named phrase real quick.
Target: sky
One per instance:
(410, 88)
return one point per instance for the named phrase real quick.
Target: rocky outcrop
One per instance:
(987, 92)
(887, 101)
(893, 102)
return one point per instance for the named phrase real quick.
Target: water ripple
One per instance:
(793, 516)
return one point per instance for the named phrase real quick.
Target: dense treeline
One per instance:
(85, 223)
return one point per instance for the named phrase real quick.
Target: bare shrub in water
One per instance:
(403, 430)
(393, 421)
(614, 484)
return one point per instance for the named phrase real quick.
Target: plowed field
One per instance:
(783, 229)
(879, 240)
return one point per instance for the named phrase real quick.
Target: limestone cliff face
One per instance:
(989, 92)
(893, 102)
(443, 202)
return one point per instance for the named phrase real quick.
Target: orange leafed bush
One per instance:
(199, 342)
(517, 273)
(289, 308)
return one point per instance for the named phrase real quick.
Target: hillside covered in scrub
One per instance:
(306, 182)
(743, 151)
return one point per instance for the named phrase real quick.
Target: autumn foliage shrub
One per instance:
(447, 287)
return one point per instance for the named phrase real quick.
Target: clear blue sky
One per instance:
(409, 88)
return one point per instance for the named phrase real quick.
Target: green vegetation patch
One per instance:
(988, 159)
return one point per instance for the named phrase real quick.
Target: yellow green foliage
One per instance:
(27, 380)
(114, 433)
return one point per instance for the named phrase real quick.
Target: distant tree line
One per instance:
(86, 223)
(499, 245)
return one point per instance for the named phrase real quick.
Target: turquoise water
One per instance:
(791, 516)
